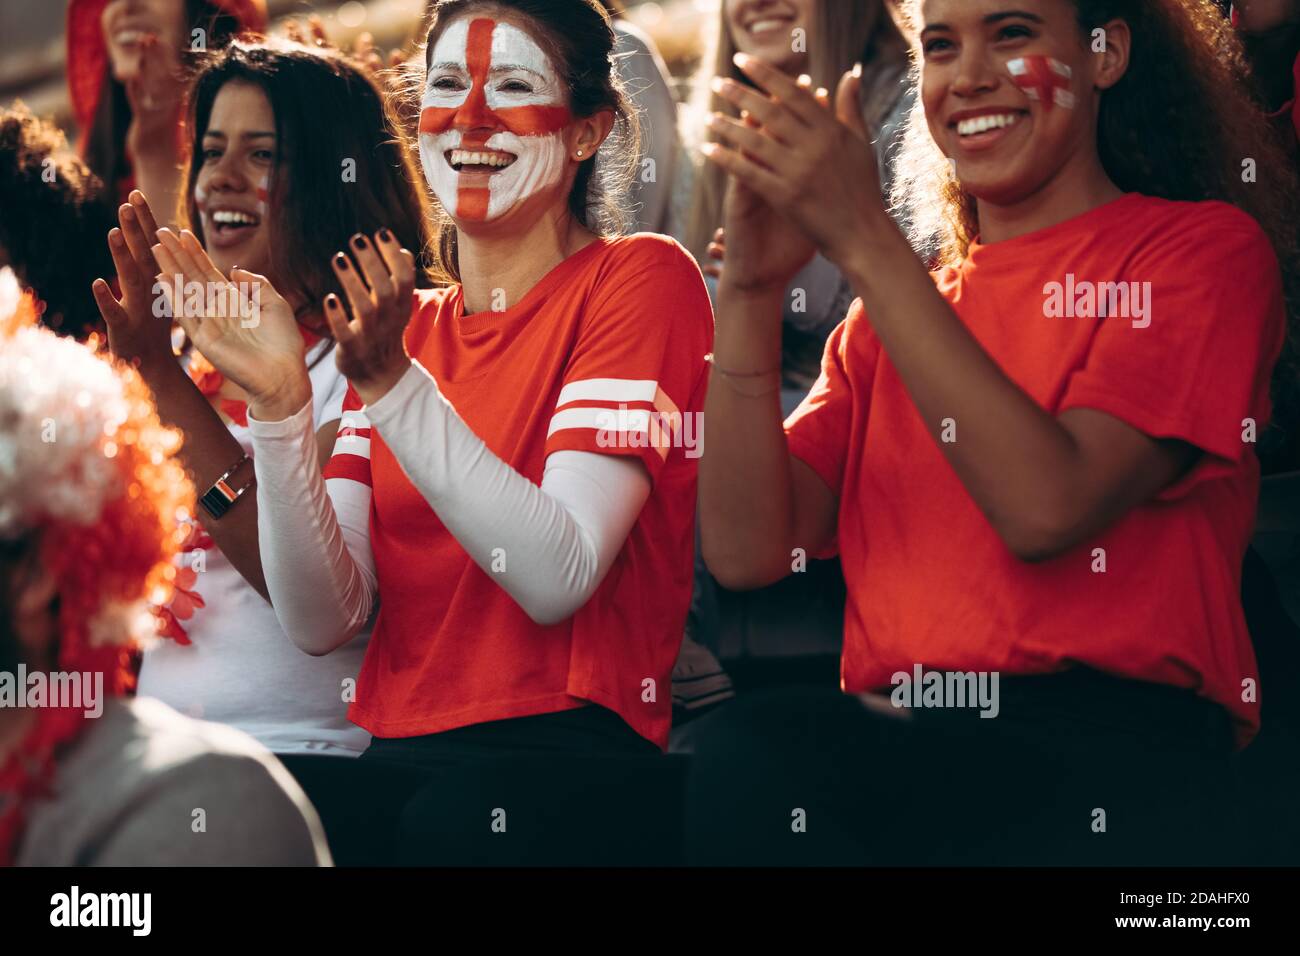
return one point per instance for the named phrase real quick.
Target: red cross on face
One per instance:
(475, 112)
(1044, 79)
(488, 81)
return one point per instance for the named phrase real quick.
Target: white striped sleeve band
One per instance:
(615, 422)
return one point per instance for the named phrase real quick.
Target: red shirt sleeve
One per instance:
(817, 432)
(1201, 366)
(634, 383)
(351, 458)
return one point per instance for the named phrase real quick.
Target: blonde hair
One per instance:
(840, 35)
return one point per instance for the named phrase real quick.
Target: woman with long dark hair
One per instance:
(1037, 464)
(292, 151)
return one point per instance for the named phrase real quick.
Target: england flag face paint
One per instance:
(1044, 79)
(491, 119)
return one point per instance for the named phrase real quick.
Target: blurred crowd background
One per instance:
(32, 49)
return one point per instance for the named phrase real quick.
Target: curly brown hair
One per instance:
(53, 223)
(1178, 126)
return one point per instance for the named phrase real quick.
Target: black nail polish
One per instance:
(341, 261)
(359, 241)
(385, 235)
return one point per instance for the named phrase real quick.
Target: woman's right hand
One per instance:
(243, 327)
(763, 250)
(156, 96)
(139, 331)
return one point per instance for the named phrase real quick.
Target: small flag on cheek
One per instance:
(263, 196)
(1044, 79)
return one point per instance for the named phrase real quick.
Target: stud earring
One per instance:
(579, 152)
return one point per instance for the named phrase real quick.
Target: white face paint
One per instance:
(494, 106)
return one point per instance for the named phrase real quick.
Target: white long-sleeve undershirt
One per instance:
(559, 539)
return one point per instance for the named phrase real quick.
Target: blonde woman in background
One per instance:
(800, 617)
(822, 39)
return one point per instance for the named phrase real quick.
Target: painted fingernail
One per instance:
(341, 261)
(359, 241)
(742, 60)
(718, 85)
(857, 71)
(385, 235)
(332, 301)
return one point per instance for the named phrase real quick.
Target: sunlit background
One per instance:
(32, 51)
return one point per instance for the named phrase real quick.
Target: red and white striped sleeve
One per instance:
(351, 458)
(639, 361)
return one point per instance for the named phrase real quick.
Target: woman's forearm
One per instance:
(314, 543)
(548, 547)
(158, 176)
(209, 450)
(1021, 466)
(746, 498)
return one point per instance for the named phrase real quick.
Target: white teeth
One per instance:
(465, 157)
(127, 37)
(982, 124)
(227, 217)
(763, 26)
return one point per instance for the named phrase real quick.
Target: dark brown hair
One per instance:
(1176, 126)
(53, 222)
(328, 111)
(105, 145)
(580, 40)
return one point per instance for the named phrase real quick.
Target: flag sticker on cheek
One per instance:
(263, 196)
(1047, 80)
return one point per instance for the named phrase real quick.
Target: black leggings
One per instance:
(576, 787)
(1077, 768)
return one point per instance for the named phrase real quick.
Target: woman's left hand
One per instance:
(812, 164)
(379, 289)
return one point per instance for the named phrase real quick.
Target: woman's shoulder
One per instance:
(435, 298)
(1193, 218)
(642, 248)
(143, 755)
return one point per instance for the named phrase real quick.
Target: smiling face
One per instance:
(1008, 92)
(130, 25)
(238, 157)
(765, 29)
(492, 122)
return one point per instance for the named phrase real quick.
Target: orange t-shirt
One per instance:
(619, 328)
(929, 580)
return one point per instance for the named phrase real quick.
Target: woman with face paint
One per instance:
(1037, 464)
(513, 481)
(272, 189)
(126, 63)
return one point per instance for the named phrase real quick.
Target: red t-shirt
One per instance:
(623, 323)
(930, 581)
